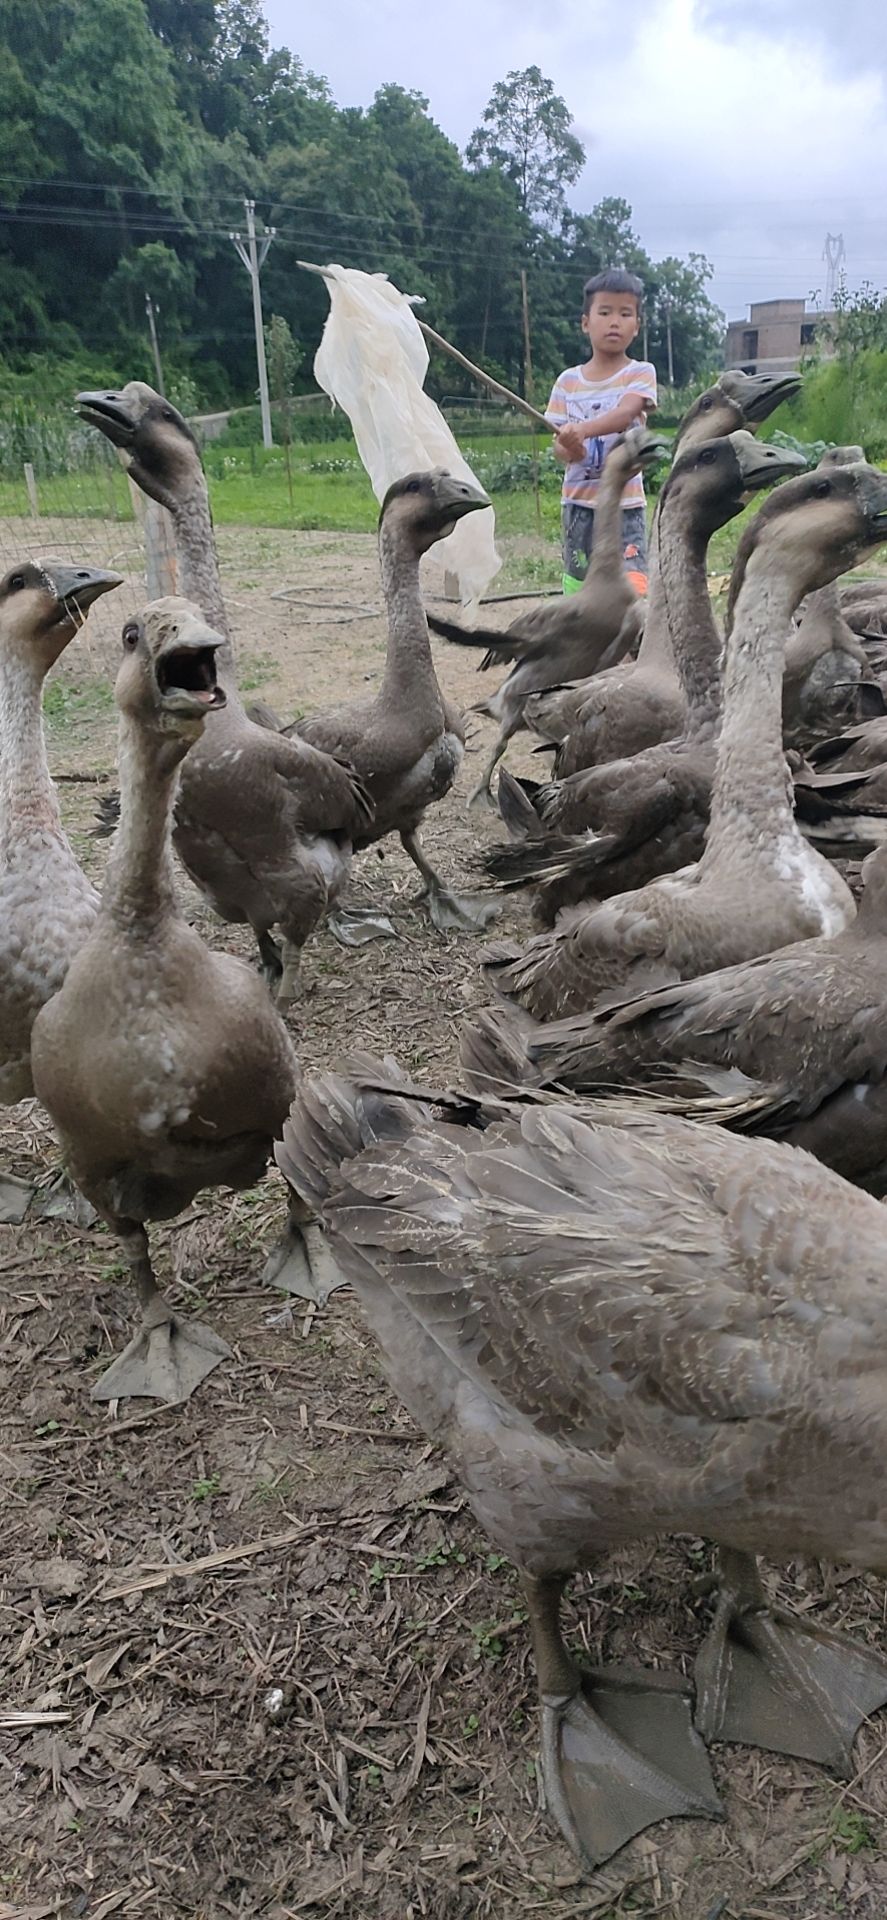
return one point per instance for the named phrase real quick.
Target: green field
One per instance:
(330, 490)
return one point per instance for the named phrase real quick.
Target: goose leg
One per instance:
(168, 1357)
(449, 912)
(301, 1262)
(483, 792)
(618, 1746)
(766, 1679)
(290, 984)
(271, 959)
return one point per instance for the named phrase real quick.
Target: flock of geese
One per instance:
(618, 1317)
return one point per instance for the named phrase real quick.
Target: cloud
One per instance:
(730, 129)
(854, 34)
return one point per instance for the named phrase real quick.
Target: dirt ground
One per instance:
(255, 1657)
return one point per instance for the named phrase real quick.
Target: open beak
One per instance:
(185, 671)
(76, 588)
(108, 412)
(766, 391)
(653, 451)
(873, 494)
(458, 497)
(761, 464)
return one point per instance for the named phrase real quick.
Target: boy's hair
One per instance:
(613, 280)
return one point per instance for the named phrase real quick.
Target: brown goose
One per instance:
(162, 1064)
(648, 814)
(600, 1325)
(47, 905)
(758, 884)
(569, 638)
(805, 1027)
(407, 743)
(638, 703)
(264, 825)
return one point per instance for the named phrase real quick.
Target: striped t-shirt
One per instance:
(575, 397)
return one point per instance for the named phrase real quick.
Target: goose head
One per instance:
(717, 475)
(425, 507)
(166, 682)
(42, 604)
(163, 455)
(638, 451)
(736, 400)
(814, 528)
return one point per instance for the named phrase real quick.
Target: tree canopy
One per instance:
(123, 176)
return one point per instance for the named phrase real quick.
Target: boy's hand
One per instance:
(571, 443)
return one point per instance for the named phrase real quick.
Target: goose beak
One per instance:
(77, 587)
(765, 392)
(185, 671)
(761, 464)
(873, 497)
(457, 497)
(110, 413)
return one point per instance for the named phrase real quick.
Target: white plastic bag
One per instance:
(372, 361)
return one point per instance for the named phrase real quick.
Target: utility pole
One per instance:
(667, 305)
(254, 258)
(528, 363)
(155, 347)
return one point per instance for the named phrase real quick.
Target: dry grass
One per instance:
(270, 1666)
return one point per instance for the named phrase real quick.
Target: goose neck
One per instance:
(409, 667)
(683, 597)
(752, 795)
(28, 799)
(199, 578)
(139, 886)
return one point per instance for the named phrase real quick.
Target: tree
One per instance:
(679, 304)
(525, 131)
(284, 356)
(858, 321)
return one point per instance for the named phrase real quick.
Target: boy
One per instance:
(608, 384)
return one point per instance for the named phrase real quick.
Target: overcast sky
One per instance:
(742, 129)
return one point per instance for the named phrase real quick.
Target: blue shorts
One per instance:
(578, 539)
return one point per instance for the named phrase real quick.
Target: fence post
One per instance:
(31, 485)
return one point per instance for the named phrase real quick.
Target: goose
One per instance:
(163, 1065)
(647, 814)
(570, 637)
(264, 825)
(47, 905)
(636, 704)
(758, 884)
(801, 1033)
(617, 1330)
(408, 742)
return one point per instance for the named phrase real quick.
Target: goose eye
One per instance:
(706, 404)
(413, 486)
(706, 458)
(17, 582)
(822, 488)
(130, 637)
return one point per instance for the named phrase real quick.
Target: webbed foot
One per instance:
(165, 1360)
(357, 926)
(767, 1680)
(482, 796)
(461, 912)
(55, 1199)
(619, 1754)
(301, 1263)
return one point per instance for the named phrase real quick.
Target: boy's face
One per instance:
(612, 322)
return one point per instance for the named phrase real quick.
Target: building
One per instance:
(775, 337)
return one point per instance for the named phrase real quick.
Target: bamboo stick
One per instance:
(495, 386)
